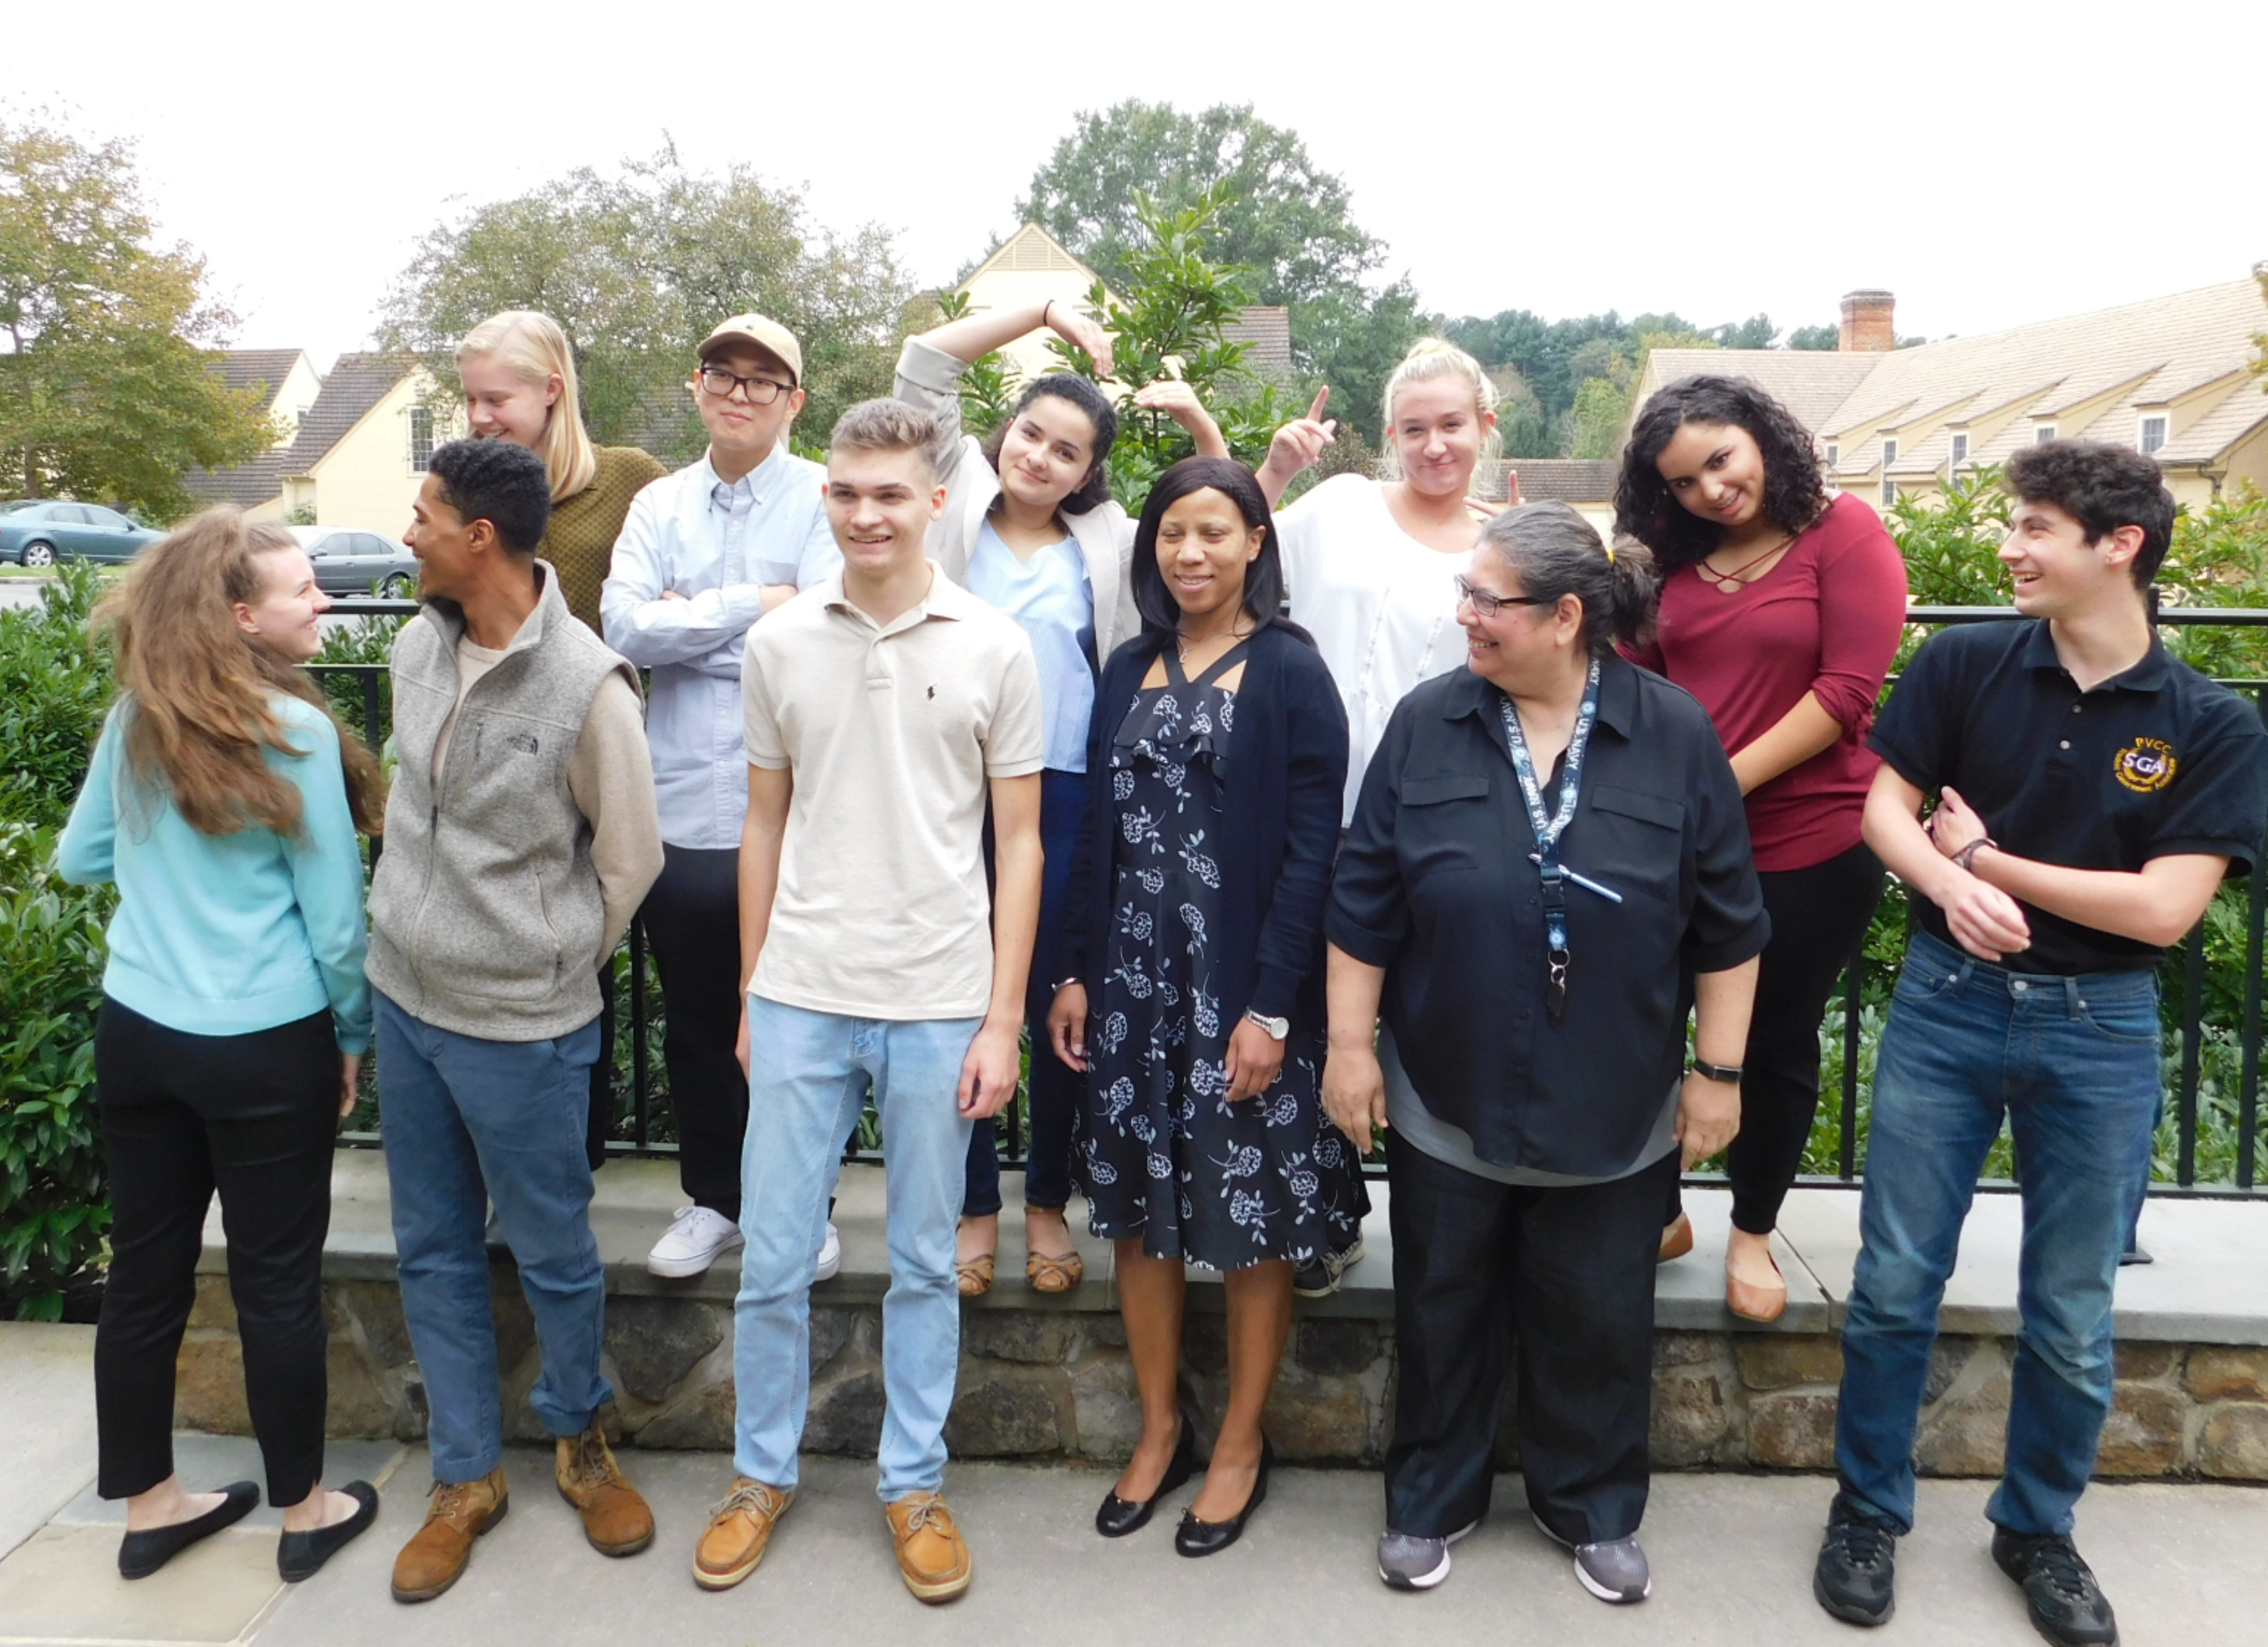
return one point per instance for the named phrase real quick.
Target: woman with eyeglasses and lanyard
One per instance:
(1548, 867)
(1030, 527)
(518, 377)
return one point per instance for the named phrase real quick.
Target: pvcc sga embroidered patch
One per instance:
(2145, 765)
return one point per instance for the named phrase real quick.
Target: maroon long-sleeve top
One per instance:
(1825, 621)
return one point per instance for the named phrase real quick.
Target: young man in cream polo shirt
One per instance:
(884, 708)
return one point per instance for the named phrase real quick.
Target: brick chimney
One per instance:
(1866, 322)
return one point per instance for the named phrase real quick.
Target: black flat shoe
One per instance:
(1194, 1537)
(142, 1553)
(302, 1555)
(1117, 1518)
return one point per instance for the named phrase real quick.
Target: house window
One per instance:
(1890, 491)
(1834, 454)
(1957, 451)
(2044, 434)
(2153, 433)
(421, 439)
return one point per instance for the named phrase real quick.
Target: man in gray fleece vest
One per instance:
(520, 837)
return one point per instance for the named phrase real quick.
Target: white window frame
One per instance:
(2165, 422)
(420, 463)
(1956, 451)
(2042, 433)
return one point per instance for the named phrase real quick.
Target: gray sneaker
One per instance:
(1407, 1561)
(1614, 1570)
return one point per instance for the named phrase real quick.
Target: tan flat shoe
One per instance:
(1677, 1240)
(1047, 1273)
(1753, 1302)
(974, 1276)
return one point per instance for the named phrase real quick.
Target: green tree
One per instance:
(636, 267)
(1595, 430)
(106, 391)
(1279, 216)
(1815, 337)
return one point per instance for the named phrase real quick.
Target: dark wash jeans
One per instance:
(2072, 1061)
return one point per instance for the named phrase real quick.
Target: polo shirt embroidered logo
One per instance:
(2145, 765)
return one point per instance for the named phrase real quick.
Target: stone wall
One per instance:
(1055, 1383)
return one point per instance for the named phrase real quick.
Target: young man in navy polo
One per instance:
(2091, 793)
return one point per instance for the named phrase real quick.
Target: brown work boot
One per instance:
(739, 1529)
(932, 1556)
(615, 1518)
(460, 1513)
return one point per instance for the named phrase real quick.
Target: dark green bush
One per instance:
(54, 685)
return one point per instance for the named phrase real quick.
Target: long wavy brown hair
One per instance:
(200, 719)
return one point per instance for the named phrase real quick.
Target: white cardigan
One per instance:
(930, 378)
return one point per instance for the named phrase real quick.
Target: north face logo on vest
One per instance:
(525, 742)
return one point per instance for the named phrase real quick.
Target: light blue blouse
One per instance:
(1050, 597)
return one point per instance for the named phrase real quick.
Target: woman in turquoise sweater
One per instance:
(224, 801)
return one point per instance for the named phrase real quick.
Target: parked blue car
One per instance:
(39, 532)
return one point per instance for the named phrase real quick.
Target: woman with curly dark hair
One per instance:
(1780, 610)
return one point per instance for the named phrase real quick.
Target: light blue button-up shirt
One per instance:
(716, 545)
(1050, 597)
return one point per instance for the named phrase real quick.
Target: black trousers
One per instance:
(1819, 918)
(1565, 1277)
(692, 921)
(254, 1116)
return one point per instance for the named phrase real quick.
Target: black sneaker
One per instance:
(1857, 1565)
(2066, 1605)
(1320, 1277)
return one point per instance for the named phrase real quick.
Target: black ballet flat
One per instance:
(1117, 1518)
(1194, 1537)
(142, 1553)
(302, 1555)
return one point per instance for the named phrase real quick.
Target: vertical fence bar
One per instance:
(641, 1116)
(1848, 1165)
(2185, 1098)
(2248, 1110)
(373, 733)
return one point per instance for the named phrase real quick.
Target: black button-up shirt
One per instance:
(1435, 885)
(2155, 762)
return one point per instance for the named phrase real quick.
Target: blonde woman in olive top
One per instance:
(518, 377)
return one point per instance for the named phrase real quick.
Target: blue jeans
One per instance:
(1053, 1091)
(466, 1122)
(2074, 1063)
(808, 1073)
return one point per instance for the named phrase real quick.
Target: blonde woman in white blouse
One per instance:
(1371, 563)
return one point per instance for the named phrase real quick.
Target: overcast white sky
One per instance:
(1991, 162)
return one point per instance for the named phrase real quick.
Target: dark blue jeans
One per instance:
(1052, 1091)
(2073, 1064)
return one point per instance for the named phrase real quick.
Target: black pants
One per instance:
(1819, 918)
(1565, 1277)
(692, 920)
(256, 1117)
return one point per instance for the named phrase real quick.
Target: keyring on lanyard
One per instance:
(1552, 874)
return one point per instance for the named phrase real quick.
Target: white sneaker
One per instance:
(692, 1242)
(830, 1255)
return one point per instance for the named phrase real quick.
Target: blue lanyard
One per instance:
(1549, 828)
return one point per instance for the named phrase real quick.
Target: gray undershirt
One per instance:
(1429, 1135)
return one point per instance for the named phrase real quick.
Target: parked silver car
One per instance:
(348, 561)
(39, 532)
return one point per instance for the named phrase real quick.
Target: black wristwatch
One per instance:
(1728, 1073)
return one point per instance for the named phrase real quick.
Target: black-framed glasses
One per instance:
(1489, 605)
(759, 391)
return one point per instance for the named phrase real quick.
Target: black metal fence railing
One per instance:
(642, 1126)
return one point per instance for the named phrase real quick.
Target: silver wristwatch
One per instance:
(1277, 1028)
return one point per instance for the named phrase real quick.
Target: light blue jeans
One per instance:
(466, 1122)
(2072, 1063)
(808, 1073)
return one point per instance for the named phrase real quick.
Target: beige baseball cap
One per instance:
(764, 333)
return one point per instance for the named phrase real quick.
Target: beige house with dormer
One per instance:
(357, 454)
(2170, 377)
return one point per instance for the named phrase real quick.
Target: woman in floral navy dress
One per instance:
(1194, 993)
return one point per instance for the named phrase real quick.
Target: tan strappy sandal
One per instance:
(974, 1276)
(1050, 1274)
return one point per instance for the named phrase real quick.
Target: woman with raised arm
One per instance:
(1781, 610)
(1031, 528)
(518, 377)
(1192, 996)
(1372, 564)
(223, 800)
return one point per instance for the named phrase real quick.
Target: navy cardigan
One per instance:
(1279, 827)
